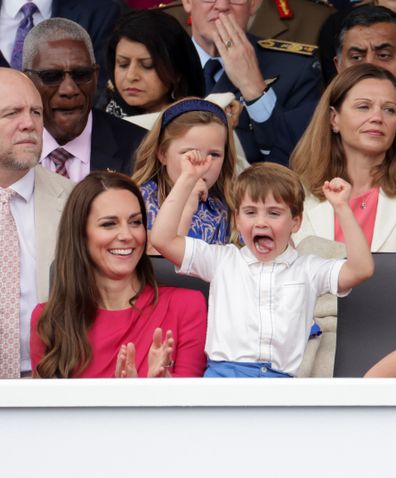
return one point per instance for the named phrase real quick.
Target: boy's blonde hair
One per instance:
(148, 166)
(263, 178)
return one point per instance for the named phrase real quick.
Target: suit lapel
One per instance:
(62, 7)
(48, 205)
(321, 218)
(385, 221)
(103, 144)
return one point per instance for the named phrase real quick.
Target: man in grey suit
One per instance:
(38, 195)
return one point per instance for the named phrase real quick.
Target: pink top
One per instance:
(181, 310)
(364, 208)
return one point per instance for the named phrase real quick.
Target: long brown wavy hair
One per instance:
(148, 166)
(72, 306)
(320, 155)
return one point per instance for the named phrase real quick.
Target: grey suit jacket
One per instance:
(50, 193)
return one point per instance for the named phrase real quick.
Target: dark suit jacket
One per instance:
(96, 16)
(114, 142)
(298, 89)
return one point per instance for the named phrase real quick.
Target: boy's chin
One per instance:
(267, 256)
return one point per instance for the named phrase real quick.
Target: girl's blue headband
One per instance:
(186, 106)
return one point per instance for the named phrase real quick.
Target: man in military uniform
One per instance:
(292, 20)
(273, 86)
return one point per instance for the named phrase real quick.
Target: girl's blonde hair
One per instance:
(320, 155)
(149, 167)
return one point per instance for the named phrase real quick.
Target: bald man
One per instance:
(38, 198)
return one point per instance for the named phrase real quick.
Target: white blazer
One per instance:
(318, 220)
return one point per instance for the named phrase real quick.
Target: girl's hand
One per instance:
(337, 192)
(160, 354)
(194, 164)
(125, 366)
(199, 193)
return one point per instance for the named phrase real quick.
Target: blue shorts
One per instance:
(243, 370)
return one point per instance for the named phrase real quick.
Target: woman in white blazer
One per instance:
(352, 135)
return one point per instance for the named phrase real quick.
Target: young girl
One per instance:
(190, 124)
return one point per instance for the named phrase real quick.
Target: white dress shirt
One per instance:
(80, 147)
(259, 311)
(10, 17)
(22, 209)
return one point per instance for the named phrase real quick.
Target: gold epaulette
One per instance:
(168, 5)
(288, 46)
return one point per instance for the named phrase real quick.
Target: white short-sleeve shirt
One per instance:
(259, 311)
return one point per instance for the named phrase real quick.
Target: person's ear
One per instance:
(187, 5)
(254, 6)
(161, 156)
(337, 63)
(334, 120)
(297, 220)
(236, 220)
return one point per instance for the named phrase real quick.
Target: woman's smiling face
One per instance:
(116, 237)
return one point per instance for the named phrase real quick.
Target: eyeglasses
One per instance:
(55, 77)
(233, 2)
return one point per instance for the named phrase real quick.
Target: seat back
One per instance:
(165, 274)
(366, 325)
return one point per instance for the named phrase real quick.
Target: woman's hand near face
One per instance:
(160, 354)
(337, 192)
(125, 366)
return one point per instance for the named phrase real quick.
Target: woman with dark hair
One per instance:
(352, 136)
(105, 301)
(151, 62)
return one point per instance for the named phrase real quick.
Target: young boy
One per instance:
(262, 296)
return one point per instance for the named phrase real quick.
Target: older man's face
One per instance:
(204, 14)
(21, 122)
(67, 103)
(374, 44)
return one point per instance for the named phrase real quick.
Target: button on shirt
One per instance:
(259, 311)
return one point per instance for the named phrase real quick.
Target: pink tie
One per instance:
(59, 156)
(9, 290)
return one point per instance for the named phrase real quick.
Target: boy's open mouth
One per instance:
(263, 243)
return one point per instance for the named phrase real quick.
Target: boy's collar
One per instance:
(287, 257)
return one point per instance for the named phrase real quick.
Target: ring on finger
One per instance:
(169, 365)
(228, 44)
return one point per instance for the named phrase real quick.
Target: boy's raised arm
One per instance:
(359, 265)
(164, 234)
